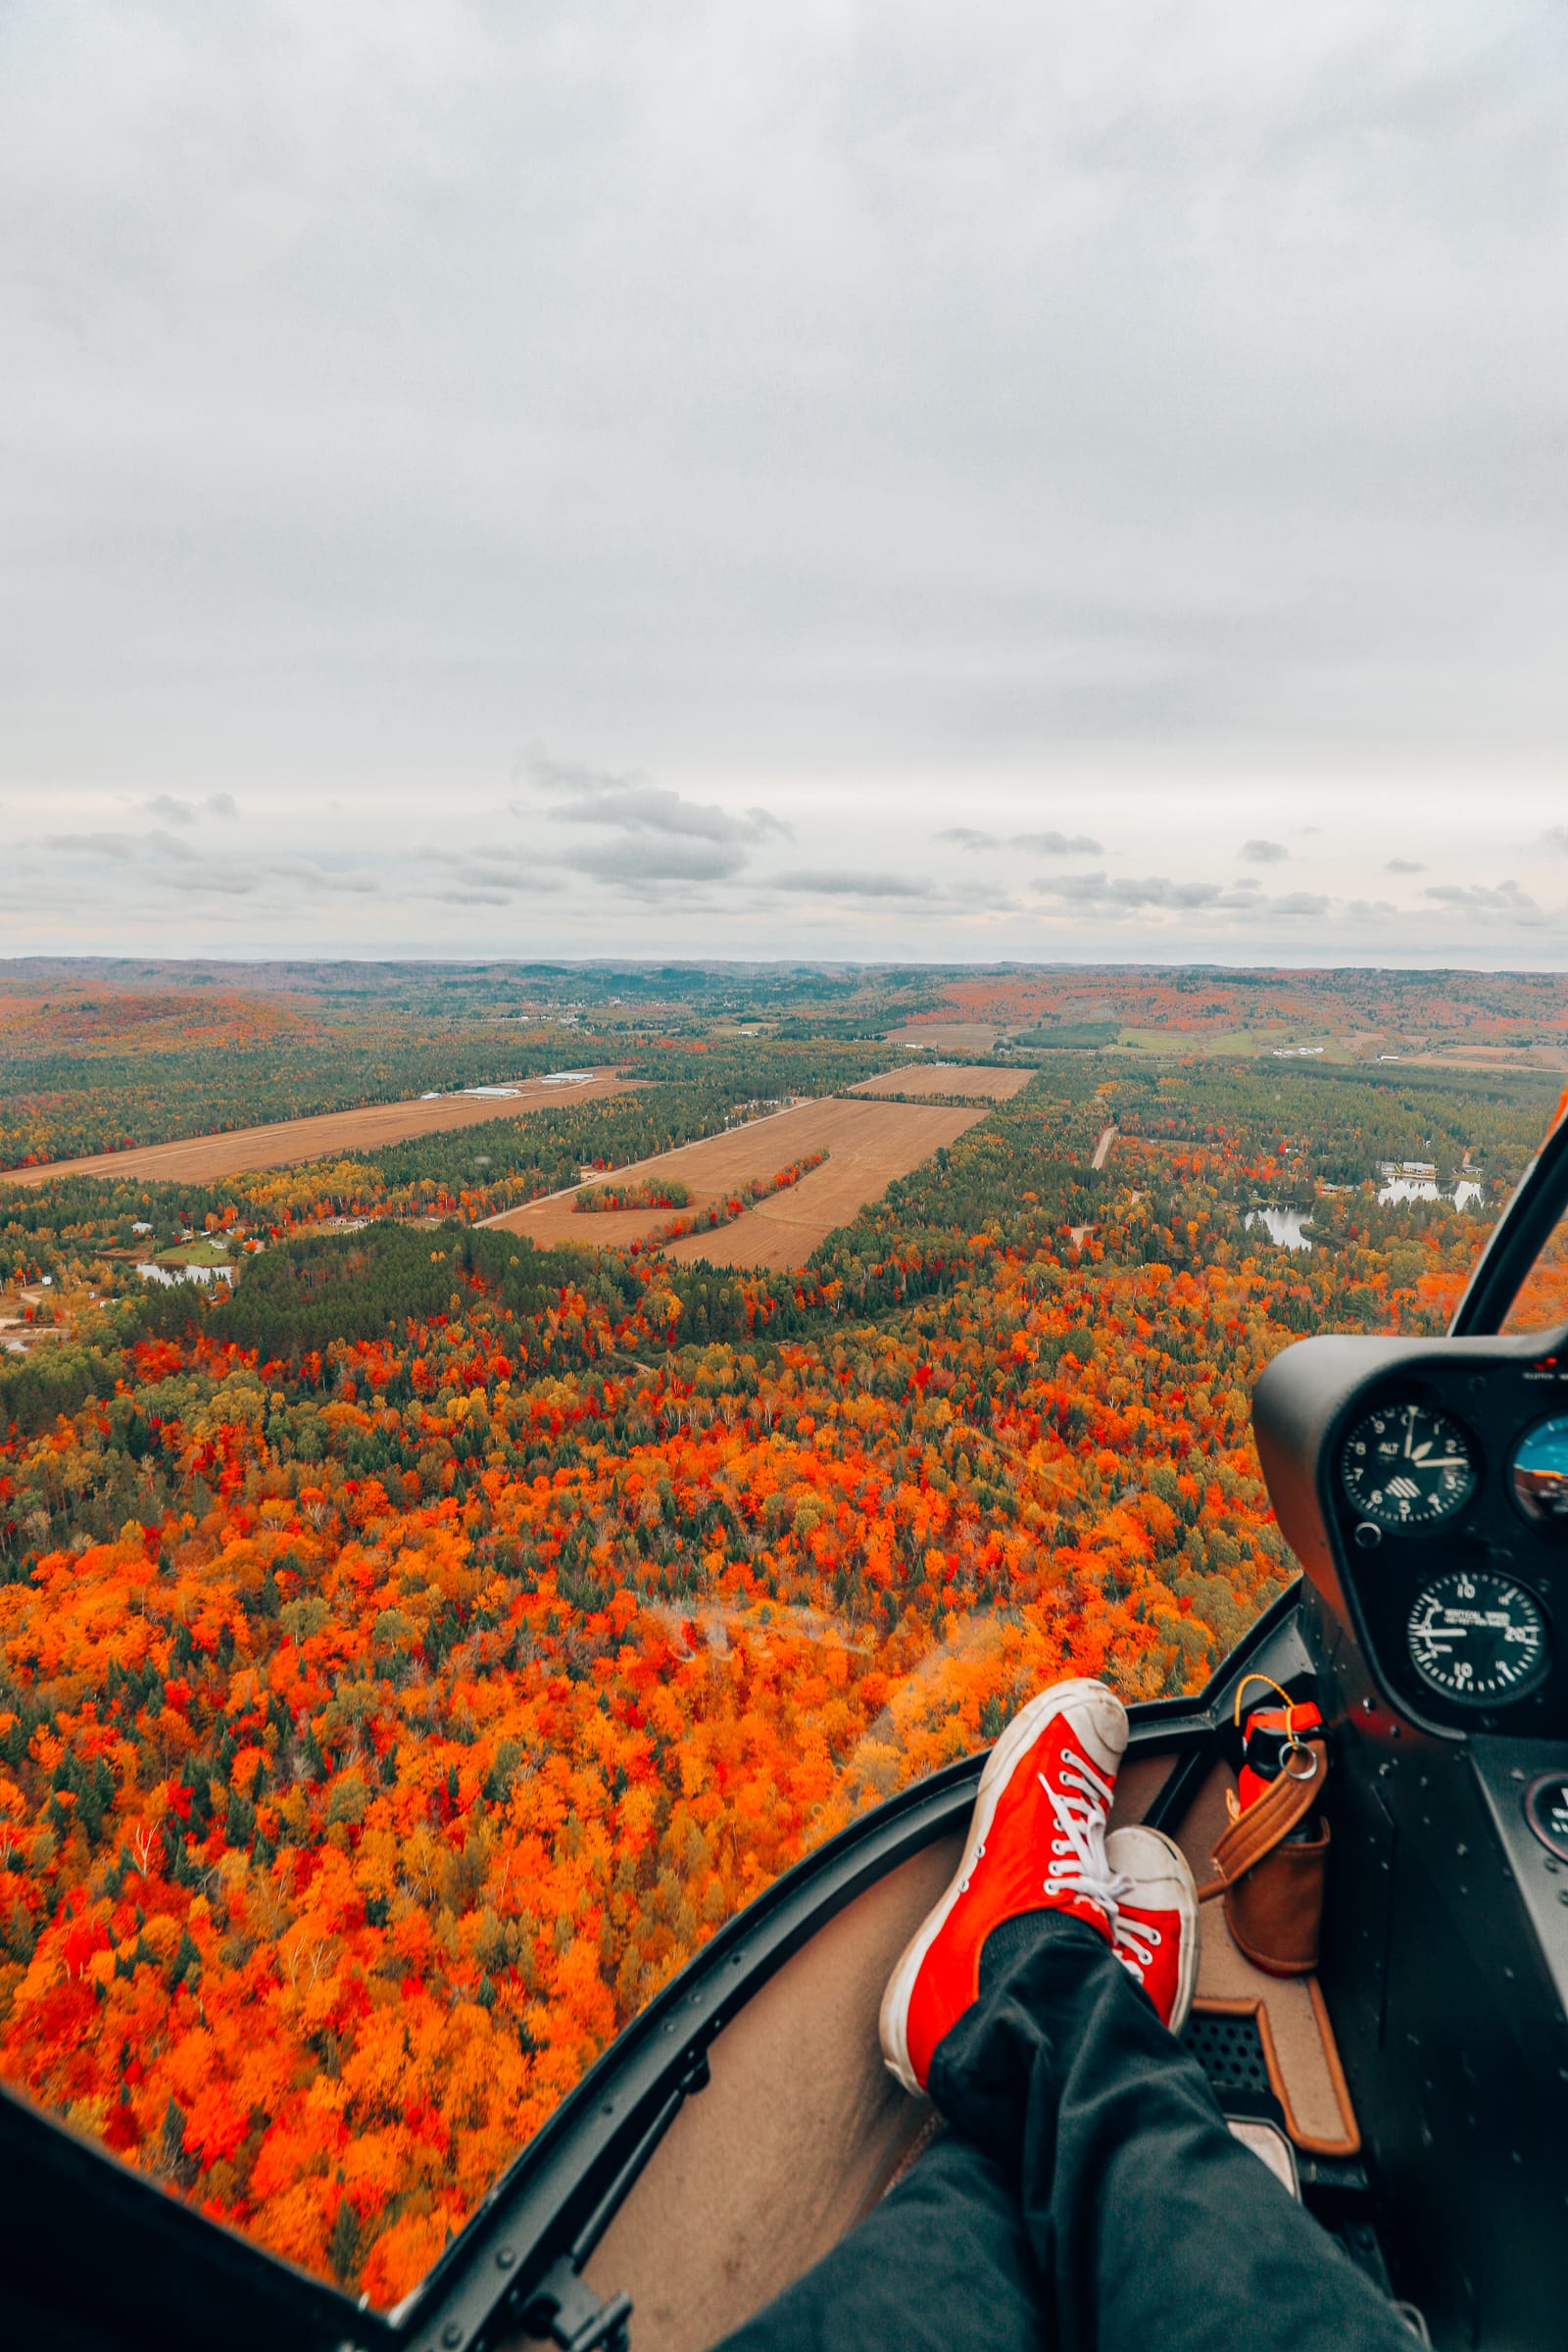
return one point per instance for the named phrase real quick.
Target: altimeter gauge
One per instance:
(1478, 1638)
(1404, 1465)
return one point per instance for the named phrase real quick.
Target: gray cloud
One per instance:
(658, 861)
(634, 806)
(177, 811)
(1264, 852)
(1153, 890)
(1125, 895)
(224, 882)
(1403, 866)
(92, 845)
(1049, 845)
(829, 882)
(1299, 902)
(1556, 837)
(1057, 845)
(266, 876)
(1501, 898)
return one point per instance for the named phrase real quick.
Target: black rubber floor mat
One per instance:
(1229, 2049)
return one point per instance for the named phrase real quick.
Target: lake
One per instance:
(1284, 1226)
(1422, 1187)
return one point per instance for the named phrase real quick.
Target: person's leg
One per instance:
(942, 2265)
(1153, 2226)
(1090, 2197)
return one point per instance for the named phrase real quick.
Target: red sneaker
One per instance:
(1037, 1843)
(1156, 1934)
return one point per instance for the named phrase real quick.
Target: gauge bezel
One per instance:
(1489, 1702)
(1539, 1523)
(1441, 1409)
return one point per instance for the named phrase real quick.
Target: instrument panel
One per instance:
(1447, 1482)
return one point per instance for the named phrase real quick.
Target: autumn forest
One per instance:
(412, 1648)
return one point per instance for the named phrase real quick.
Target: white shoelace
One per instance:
(1081, 1808)
(1136, 1940)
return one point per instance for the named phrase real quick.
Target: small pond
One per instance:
(1284, 1227)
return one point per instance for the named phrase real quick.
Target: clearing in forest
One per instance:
(202, 1158)
(870, 1143)
(937, 1078)
(958, 1036)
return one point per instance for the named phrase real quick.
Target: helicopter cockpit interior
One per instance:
(1411, 2091)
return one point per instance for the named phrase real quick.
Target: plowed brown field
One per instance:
(953, 1037)
(870, 1143)
(243, 1150)
(948, 1078)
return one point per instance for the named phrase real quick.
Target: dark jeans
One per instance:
(1088, 2195)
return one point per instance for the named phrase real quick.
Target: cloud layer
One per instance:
(875, 480)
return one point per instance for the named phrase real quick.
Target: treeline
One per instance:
(642, 1192)
(64, 1105)
(1338, 1124)
(472, 1171)
(762, 1069)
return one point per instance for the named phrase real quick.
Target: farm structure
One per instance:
(201, 1159)
(869, 1144)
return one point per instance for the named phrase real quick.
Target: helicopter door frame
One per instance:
(1518, 1238)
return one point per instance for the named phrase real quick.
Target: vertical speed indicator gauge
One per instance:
(1404, 1465)
(1478, 1638)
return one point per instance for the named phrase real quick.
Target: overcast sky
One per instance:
(883, 480)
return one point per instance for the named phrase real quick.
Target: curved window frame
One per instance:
(1520, 1235)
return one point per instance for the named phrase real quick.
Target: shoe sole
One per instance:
(1001, 1763)
(1177, 1873)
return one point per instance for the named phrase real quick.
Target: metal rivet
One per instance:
(505, 2258)
(452, 2334)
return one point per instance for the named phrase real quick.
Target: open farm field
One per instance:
(870, 1143)
(955, 1037)
(948, 1078)
(202, 1158)
(868, 1149)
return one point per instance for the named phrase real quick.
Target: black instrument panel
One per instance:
(1446, 1482)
